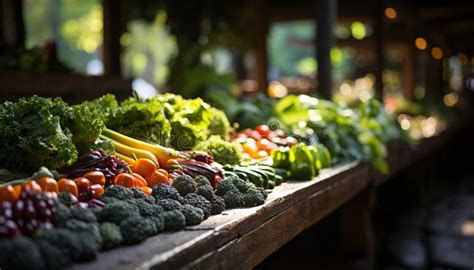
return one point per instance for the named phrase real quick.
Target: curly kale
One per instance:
(174, 220)
(169, 204)
(199, 202)
(184, 184)
(201, 180)
(219, 125)
(206, 191)
(117, 211)
(192, 214)
(233, 199)
(139, 194)
(217, 205)
(253, 197)
(225, 186)
(118, 192)
(163, 191)
(20, 253)
(147, 209)
(111, 235)
(135, 229)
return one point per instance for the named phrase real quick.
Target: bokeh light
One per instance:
(391, 13)
(420, 43)
(437, 53)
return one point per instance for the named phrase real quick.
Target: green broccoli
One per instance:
(169, 204)
(64, 239)
(63, 214)
(253, 197)
(147, 209)
(88, 231)
(20, 253)
(135, 229)
(205, 191)
(241, 184)
(118, 192)
(53, 256)
(225, 186)
(233, 199)
(174, 220)
(67, 199)
(158, 221)
(83, 214)
(199, 202)
(139, 194)
(217, 205)
(192, 214)
(201, 180)
(111, 235)
(108, 200)
(163, 191)
(116, 212)
(184, 184)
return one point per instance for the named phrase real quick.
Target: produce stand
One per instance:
(245, 237)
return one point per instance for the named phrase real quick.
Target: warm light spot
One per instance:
(420, 43)
(437, 53)
(419, 92)
(462, 58)
(390, 13)
(451, 99)
(467, 228)
(358, 30)
(404, 121)
(277, 90)
(346, 89)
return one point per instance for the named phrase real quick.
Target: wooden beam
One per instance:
(111, 44)
(326, 18)
(379, 48)
(261, 32)
(13, 24)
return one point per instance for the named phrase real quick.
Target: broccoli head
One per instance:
(117, 211)
(53, 256)
(158, 221)
(225, 186)
(163, 191)
(108, 200)
(184, 184)
(135, 229)
(205, 191)
(59, 238)
(86, 231)
(118, 192)
(67, 199)
(111, 235)
(201, 180)
(241, 184)
(253, 197)
(147, 209)
(192, 214)
(199, 202)
(63, 214)
(169, 204)
(83, 214)
(233, 199)
(174, 220)
(217, 205)
(20, 253)
(139, 194)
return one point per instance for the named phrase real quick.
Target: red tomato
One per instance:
(8, 194)
(67, 185)
(31, 185)
(263, 130)
(255, 135)
(83, 184)
(96, 177)
(48, 184)
(97, 191)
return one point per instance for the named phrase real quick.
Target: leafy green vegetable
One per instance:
(224, 152)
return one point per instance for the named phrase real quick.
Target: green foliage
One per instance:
(224, 152)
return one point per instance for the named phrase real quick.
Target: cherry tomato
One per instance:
(96, 191)
(263, 130)
(169, 163)
(144, 166)
(48, 184)
(255, 135)
(83, 184)
(8, 194)
(31, 185)
(95, 177)
(146, 190)
(125, 179)
(68, 185)
(247, 132)
(157, 178)
(252, 150)
(139, 180)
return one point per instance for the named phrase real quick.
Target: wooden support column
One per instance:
(261, 32)
(409, 63)
(12, 23)
(326, 19)
(379, 48)
(111, 44)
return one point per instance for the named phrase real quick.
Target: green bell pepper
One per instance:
(281, 158)
(302, 162)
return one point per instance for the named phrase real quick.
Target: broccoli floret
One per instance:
(184, 184)
(225, 186)
(118, 211)
(241, 184)
(192, 214)
(168, 204)
(253, 197)
(64, 239)
(118, 192)
(83, 214)
(163, 191)
(174, 220)
(136, 229)
(147, 209)
(233, 199)
(63, 214)
(87, 230)
(139, 194)
(67, 199)
(199, 202)
(108, 200)
(159, 222)
(111, 235)
(53, 256)
(205, 191)
(217, 205)
(201, 180)
(20, 253)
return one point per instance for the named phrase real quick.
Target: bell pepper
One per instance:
(281, 157)
(316, 158)
(302, 162)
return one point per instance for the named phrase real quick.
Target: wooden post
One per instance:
(379, 49)
(13, 24)
(261, 31)
(326, 18)
(409, 63)
(111, 44)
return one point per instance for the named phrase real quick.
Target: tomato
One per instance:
(96, 191)
(68, 185)
(125, 179)
(139, 180)
(146, 190)
(157, 178)
(169, 163)
(48, 184)
(252, 150)
(83, 184)
(31, 185)
(144, 166)
(247, 132)
(8, 194)
(263, 130)
(255, 135)
(95, 177)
